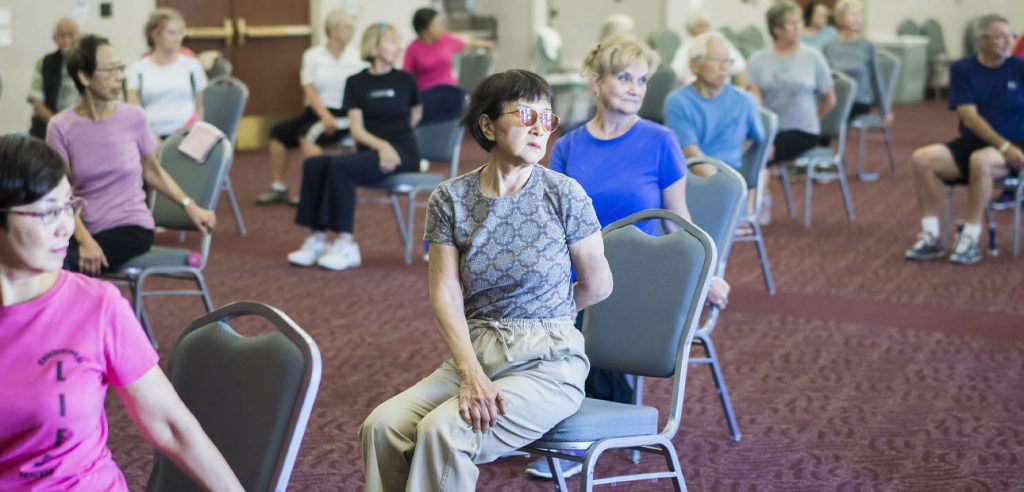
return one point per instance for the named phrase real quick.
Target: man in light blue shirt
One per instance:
(711, 116)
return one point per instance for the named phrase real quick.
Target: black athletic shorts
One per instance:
(962, 147)
(289, 131)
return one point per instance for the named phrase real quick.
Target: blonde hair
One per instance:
(335, 18)
(157, 18)
(616, 53)
(615, 25)
(843, 7)
(371, 39)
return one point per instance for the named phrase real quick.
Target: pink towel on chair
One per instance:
(200, 141)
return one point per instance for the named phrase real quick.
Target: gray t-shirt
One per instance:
(514, 250)
(857, 59)
(791, 86)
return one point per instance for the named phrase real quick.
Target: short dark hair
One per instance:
(497, 90)
(83, 58)
(29, 169)
(422, 18)
(809, 11)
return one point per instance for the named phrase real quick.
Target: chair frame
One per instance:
(1015, 183)
(835, 159)
(865, 123)
(660, 443)
(755, 160)
(233, 137)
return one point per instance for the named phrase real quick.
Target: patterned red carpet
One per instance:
(865, 372)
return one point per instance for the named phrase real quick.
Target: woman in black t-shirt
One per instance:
(382, 105)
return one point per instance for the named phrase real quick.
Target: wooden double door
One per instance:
(264, 41)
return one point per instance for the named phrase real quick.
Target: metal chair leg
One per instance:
(234, 205)
(845, 188)
(808, 189)
(638, 399)
(396, 208)
(861, 150)
(762, 254)
(555, 465)
(786, 191)
(410, 227)
(672, 461)
(720, 388)
(887, 133)
(1016, 222)
(947, 222)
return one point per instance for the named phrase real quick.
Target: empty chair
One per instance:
(750, 40)
(659, 86)
(202, 181)
(833, 126)
(716, 203)
(889, 74)
(252, 395)
(666, 42)
(908, 28)
(224, 101)
(473, 67)
(645, 327)
(755, 158)
(938, 60)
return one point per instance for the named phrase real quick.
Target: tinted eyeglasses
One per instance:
(528, 117)
(52, 215)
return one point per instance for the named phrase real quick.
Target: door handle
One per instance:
(273, 31)
(226, 32)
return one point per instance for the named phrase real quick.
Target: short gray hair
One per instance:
(699, 45)
(334, 19)
(776, 15)
(983, 23)
(697, 18)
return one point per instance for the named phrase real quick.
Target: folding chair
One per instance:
(224, 101)
(755, 158)
(888, 74)
(201, 181)
(666, 42)
(833, 125)
(473, 67)
(716, 203)
(659, 86)
(1013, 182)
(252, 395)
(645, 327)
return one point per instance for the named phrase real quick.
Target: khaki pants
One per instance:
(417, 441)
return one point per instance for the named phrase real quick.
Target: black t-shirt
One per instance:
(386, 101)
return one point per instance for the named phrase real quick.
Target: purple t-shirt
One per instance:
(432, 63)
(623, 175)
(58, 354)
(106, 163)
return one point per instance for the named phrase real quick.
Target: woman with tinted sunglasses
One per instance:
(503, 240)
(65, 339)
(626, 164)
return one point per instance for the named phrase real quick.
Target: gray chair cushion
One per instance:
(869, 120)
(405, 181)
(599, 419)
(817, 154)
(158, 256)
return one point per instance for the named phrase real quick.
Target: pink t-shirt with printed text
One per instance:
(431, 64)
(106, 164)
(58, 354)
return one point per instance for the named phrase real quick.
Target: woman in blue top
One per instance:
(817, 32)
(626, 164)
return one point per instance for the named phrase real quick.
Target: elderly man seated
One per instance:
(987, 92)
(695, 26)
(711, 116)
(52, 89)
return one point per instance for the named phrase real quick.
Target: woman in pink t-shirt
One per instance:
(429, 56)
(64, 338)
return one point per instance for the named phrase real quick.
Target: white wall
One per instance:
(883, 16)
(32, 25)
(731, 13)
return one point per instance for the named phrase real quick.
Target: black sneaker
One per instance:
(927, 247)
(277, 196)
(966, 251)
(1005, 200)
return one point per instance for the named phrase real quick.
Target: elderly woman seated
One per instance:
(503, 240)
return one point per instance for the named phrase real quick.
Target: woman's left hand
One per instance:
(718, 292)
(480, 401)
(204, 219)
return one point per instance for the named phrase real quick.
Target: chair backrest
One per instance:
(252, 395)
(908, 28)
(224, 101)
(755, 158)
(659, 86)
(441, 142)
(729, 34)
(715, 203)
(889, 75)
(750, 40)
(441, 103)
(666, 42)
(473, 67)
(833, 124)
(970, 38)
(936, 43)
(199, 180)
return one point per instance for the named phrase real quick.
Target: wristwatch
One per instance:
(185, 202)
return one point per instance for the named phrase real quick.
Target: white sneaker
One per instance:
(312, 248)
(340, 255)
(765, 215)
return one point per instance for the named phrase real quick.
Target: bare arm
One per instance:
(673, 199)
(389, 158)
(133, 97)
(155, 175)
(416, 115)
(479, 43)
(91, 259)
(593, 276)
(974, 122)
(480, 400)
(755, 91)
(826, 102)
(169, 427)
(41, 111)
(199, 106)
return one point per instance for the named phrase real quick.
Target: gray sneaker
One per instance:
(966, 251)
(540, 469)
(277, 196)
(927, 247)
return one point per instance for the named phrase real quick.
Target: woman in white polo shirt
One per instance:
(168, 81)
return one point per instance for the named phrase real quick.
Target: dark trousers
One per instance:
(327, 200)
(606, 385)
(790, 144)
(119, 245)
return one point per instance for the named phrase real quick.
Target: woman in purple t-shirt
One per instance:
(65, 339)
(429, 56)
(110, 151)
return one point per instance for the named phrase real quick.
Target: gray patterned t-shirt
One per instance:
(513, 250)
